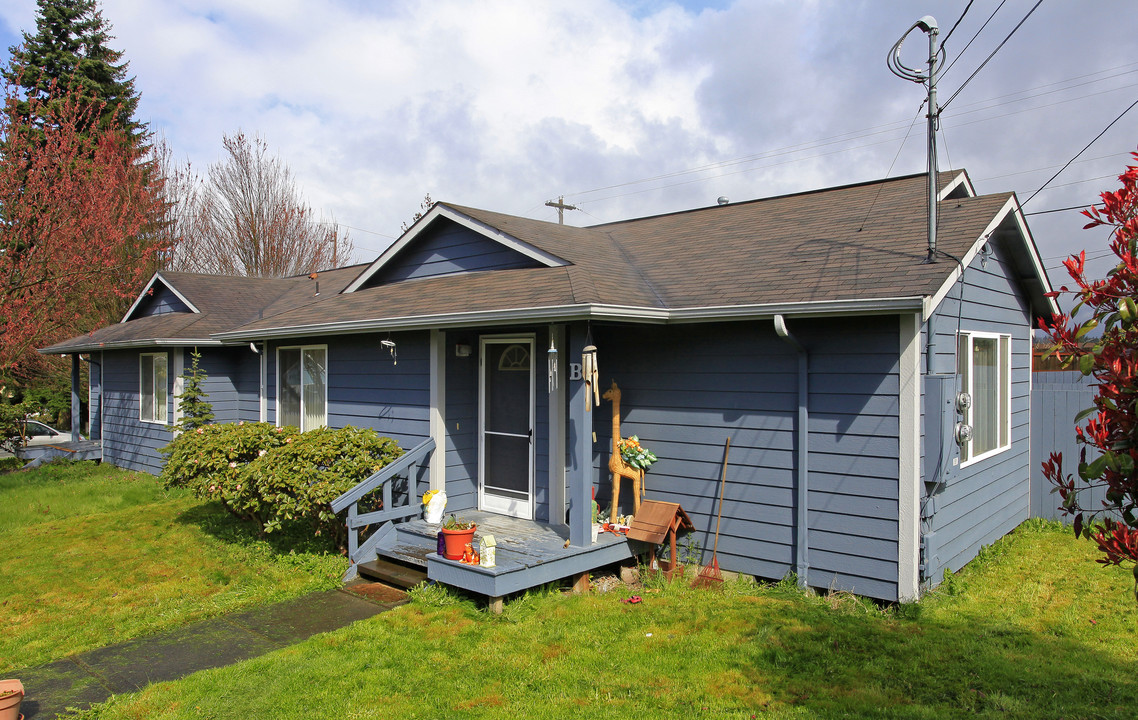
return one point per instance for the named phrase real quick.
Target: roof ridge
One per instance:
(754, 201)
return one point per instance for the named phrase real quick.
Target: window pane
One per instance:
(986, 394)
(288, 410)
(314, 381)
(160, 388)
(146, 387)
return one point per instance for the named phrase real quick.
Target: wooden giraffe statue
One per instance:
(616, 464)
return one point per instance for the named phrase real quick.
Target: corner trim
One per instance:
(909, 472)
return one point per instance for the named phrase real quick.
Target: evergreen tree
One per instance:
(196, 410)
(69, 50)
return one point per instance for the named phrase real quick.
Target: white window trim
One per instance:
(142, 384)
(1005, 382)
(327, 374)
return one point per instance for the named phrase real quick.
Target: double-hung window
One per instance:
(152, 392)
(302, 376)
(984, 363)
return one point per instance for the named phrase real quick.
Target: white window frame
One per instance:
(302, 349)
(148, 386)
(965, 347)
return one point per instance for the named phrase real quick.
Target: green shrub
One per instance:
(299, 480)
(270, 476)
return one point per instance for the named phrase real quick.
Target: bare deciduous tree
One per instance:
(248, 218)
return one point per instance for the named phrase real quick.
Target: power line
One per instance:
(1092, 142)
(851, 135)
(957, 23)
(992, 54)
(974, 36)
(1055, 210)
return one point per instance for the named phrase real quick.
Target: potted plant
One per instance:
(11, 695)
(457, 534)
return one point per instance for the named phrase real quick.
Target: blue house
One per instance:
(877, 404)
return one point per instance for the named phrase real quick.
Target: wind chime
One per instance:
(390, 345)
(551, 355)
(591, 376)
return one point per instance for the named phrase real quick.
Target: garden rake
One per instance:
(710, 574)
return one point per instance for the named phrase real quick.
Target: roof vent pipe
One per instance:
(722, 200)
(928, 25)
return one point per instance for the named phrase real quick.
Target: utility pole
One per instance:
(928, 25)
(561, 208)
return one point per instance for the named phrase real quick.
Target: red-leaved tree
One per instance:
(75, 209)
(1111, 426)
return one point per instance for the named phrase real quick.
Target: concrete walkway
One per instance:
(93, 676)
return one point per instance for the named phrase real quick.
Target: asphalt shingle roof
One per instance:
(858, 242)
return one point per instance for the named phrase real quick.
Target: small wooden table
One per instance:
(655, 521)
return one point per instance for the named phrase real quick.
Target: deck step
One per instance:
(408, 553)
(392, 572)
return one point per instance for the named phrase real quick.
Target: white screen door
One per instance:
(506, 429)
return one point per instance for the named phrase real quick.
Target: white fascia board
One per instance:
(960, 179)
(129, 344)
(517, 316)
(149, 286)
(1011, 206)
(444, 211)
(1033, 254)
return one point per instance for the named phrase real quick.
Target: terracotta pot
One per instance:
(10, 704)
(456, 541)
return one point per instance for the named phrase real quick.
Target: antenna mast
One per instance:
(928, 25)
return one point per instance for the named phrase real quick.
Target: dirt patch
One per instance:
(377, 592)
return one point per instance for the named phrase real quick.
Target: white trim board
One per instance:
(932, 302)
(909, 466)
(444, 211)
(584, 311)
(144, 294)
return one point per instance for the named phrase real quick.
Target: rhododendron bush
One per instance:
(1111, 426)
(273, 476)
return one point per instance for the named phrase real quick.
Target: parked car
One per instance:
(38, 433)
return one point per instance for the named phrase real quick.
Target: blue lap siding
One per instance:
(369, 388)
(127, 441)
(447, 250)
(977, 504)
(687, 389)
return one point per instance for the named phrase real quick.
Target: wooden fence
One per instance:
(1056, 397)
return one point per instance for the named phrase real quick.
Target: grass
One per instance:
(93, 555)
(1031, 629)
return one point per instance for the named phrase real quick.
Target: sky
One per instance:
(630, 108)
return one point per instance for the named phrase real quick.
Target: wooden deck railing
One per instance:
(406, 466)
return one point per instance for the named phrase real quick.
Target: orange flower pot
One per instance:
(456, 541)
(10, 704)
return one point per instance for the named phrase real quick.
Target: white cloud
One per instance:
(507, 104)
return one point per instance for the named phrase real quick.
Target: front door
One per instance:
(505, 445)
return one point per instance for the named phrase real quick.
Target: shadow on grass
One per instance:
(212, 519)
(838, 664)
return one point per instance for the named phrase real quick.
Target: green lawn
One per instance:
(91, 555)
(1032, 629)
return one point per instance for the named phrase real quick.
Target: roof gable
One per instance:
(158, 298)
(447, 241)
(449, 248)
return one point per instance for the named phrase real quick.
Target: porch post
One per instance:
(75, 397)
(579, 441)
(438, 464)
(557, 429)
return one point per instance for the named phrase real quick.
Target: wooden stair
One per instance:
(392, 572)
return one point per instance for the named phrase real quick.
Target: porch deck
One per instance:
(529, 554)
(36, 455)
